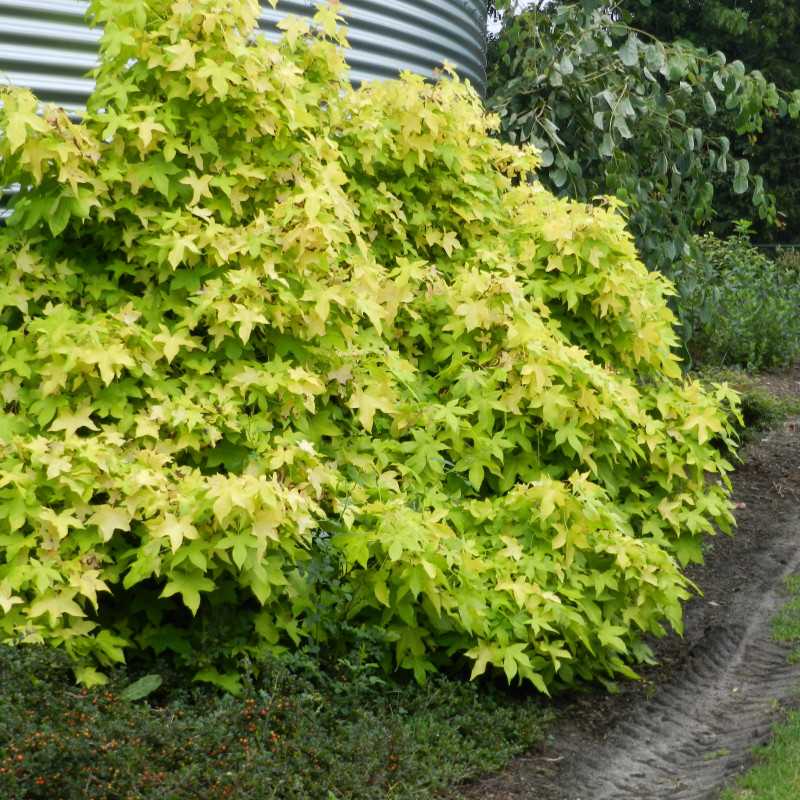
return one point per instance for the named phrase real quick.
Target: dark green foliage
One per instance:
(755, 31)
(774, 154)
(758, 33)
(618, 113)
(299, 733)
(742, 307)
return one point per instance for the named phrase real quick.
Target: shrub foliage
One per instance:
(281, 357)
(741, 306)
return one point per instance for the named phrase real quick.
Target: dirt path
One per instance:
(691, 724)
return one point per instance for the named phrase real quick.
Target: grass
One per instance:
(776, 775)
(786, 625)
(297, 732)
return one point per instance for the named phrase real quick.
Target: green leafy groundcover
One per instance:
(281, 359)
(296, 733)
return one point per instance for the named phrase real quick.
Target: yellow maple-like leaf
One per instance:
(7, 598)
(147, 127)
(88, 583)
(175, 529)
(484, 654)
(56, 605)
(180, 244)
(109, 519)
(369, 399)
(705, 422)
(519, 589)
(293, 29)
(183, 56)
(512, 549)
(60, 522)
(71, 423)
(173, 341)
(200, 185)
(266, 522)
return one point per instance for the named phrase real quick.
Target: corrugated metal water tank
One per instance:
(47, 46)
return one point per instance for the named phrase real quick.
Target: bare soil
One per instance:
(690, 724)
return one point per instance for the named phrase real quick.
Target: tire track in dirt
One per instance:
(693, 726)
(696, 731)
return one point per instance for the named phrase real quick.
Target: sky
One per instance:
(494, 26)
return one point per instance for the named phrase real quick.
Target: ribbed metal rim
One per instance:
(47, 46)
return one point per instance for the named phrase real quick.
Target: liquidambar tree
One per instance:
(282, 360)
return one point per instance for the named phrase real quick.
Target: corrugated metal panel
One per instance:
(46, 45)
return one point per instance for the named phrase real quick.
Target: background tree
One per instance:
(755, 32)
(615, 111)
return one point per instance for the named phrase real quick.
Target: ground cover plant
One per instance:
(776, 775)
(296, 733)
(283, 360)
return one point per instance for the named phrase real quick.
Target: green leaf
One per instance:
(559, 177)
(141, 688)
(708, 104)
(599, 120)
(676, 67)
(110, 648)
(621, 126)
(90, 677)
(382, 592)
(611, 636)
(689, 550)
(188, 585)
(228, 681)
(55, 605)
(629, 52)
